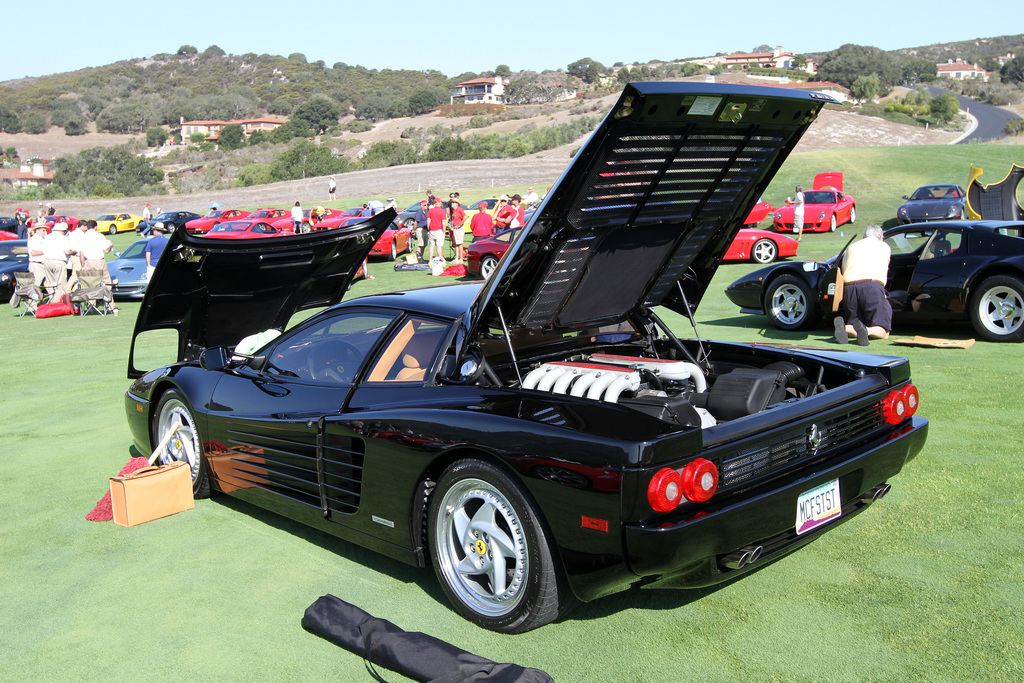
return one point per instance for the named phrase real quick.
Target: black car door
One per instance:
(936, 286)
(265, 418)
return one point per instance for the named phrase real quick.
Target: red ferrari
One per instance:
(285, 222)
(395, 240)
(825, 206)
(213, 218)
(483, 255)
(245, 230)
(758, 214)
(760, 246)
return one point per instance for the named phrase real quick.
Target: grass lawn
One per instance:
(927, 585)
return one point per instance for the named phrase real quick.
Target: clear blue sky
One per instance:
(454, 37)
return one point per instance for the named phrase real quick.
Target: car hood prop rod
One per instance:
(508, 340)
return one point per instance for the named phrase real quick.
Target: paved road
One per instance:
(991, 120)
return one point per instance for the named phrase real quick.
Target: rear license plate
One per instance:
(818, 506)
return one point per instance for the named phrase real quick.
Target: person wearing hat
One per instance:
(94, 247)
(520, 219)
(21, 217)
(436, 218)
(504, 215)
(76, 237)
(50, 210)
(36, 253)
(147, 215)
(155, 247)
(56, 250)
(391, 204)
(458, 223)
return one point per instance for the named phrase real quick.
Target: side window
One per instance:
(410, 352)
(907, 242)
(946, 242)
(332, 350)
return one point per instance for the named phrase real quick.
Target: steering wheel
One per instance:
(328, 359)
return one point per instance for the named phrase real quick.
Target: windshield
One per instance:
(935, 192)
(136, 250)
(819, 197)
(107, 217)
(13, 252)
(214, 214)
(234, 226)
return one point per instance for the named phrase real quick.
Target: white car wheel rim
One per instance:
(1002, 310)
(789, 304)
(482, 548)
(184, 445)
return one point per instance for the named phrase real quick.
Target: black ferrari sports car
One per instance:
(946, 271)
(542, 437)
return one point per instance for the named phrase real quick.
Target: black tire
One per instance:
(305, 227)
(789, 303)
(410, 223)
(394, 250)
(186, 445)
(997, 309)
(833, 223)
(112, 230)
(853, 215)
(476, 510)
(487, 265)
(764, 251)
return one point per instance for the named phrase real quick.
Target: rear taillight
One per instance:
(699, 480)
(696, 482)
(900, 404)
(664, 491)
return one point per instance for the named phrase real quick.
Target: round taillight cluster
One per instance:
(900, 404)
(696, 482)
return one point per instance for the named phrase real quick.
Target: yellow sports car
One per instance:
(113, 223)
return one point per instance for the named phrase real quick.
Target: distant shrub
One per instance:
(360, 126)
(480, 121)
(1015, 127)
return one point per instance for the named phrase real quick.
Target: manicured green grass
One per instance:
(926, 585)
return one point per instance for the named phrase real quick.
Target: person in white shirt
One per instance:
(75, 238)
(530, 198)
(865, 270)
(37, 254)
(798, 211)
(56, 250)
(297, 217)
(94, 247)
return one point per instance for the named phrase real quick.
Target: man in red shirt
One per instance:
(436, 218)
(504, 215)
(458, 215)
(517, 204)
(482, 225)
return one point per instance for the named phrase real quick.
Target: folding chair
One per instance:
(92, 290)
(26, 290)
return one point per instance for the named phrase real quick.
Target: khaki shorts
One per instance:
(436, 238)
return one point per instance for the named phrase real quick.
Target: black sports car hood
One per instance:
(652, 199)
(216, 292)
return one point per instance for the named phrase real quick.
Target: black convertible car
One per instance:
(959, 270)
(542, 437)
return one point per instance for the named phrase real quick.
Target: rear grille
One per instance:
(765, 458)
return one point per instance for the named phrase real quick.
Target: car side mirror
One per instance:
(214, 358)
(906, 197)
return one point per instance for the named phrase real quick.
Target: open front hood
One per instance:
(653, 199)
(216, 292)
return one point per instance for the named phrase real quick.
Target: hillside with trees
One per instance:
(334, 113)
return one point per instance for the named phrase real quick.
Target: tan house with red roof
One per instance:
(961, 71)
(777, 58)
(211, 129)
(31, 174)
(480, 91)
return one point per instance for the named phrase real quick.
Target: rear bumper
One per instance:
(694, 552)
